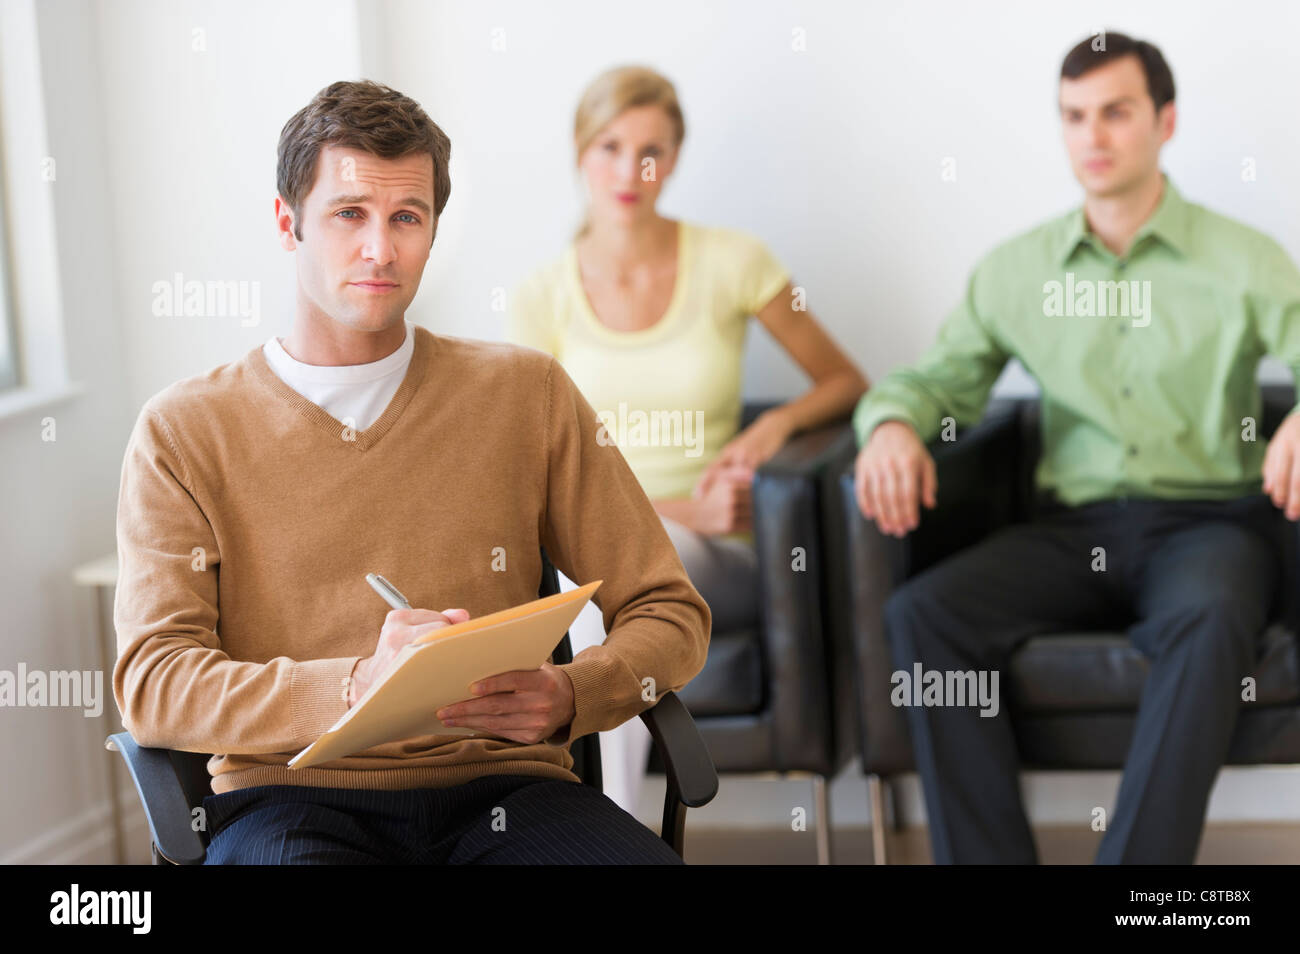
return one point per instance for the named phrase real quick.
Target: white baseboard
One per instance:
(88, 838)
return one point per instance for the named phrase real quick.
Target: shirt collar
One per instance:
(1168, 223)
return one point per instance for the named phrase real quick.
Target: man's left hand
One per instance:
(526, 705)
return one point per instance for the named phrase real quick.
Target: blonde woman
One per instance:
(648, 316)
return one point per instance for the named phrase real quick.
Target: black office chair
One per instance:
(172, 784)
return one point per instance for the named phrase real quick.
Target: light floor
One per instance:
(1225, 843)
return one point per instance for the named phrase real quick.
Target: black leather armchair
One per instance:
(762, 701)
(1072, 697)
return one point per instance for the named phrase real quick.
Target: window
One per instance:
(33, 363)
(8, 323)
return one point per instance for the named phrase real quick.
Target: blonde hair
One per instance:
(613, 92)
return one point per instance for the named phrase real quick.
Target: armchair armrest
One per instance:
(1277, 401)
(984, 483)
(788, 491)
(167, 805)
(979, 489)
(809, 453)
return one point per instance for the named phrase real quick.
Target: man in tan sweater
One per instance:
(256, 497)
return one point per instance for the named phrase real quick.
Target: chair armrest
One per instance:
(787, 502)
(982, 486)
(1287, 606)
(165, 805)
(978, 490)
(809, 453)
(1276, 402)
(750, 410)
(688, 767)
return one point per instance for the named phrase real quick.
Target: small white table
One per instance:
(101, 576)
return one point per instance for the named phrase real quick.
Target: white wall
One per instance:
(166, 158)
(192, 154)
(59, 496)
(833, 154)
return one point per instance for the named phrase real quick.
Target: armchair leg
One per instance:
(876, 793)
(823, 808)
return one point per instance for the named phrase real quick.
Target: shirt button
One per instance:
(1122, 327)
(1121, 265)
(1127, 392)
(1132, 450)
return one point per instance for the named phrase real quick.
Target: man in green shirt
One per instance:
(1143, 318)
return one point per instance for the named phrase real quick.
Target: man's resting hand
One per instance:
(524, 705)
(893, 474)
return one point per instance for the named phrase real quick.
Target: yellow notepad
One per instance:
(438, 669)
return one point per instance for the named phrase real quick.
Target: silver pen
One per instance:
(391, 594)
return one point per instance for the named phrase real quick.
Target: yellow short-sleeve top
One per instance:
(669, 395)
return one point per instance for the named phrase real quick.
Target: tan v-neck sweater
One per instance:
(248, 519)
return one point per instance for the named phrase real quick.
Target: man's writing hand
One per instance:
(400, 628)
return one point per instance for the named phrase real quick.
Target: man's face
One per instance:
(1112, 132)
(367, 226)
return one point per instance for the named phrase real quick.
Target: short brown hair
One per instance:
(363, 115)
(1107, 46)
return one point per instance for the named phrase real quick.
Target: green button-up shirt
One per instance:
(1146, 363)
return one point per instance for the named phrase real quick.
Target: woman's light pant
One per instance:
(725, 571)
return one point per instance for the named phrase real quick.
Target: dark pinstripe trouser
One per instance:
(495, 819)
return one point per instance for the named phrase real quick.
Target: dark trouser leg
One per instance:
(493, 819)
(967, 613)
(545, 821)
(304, 825)
(1203, 597)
